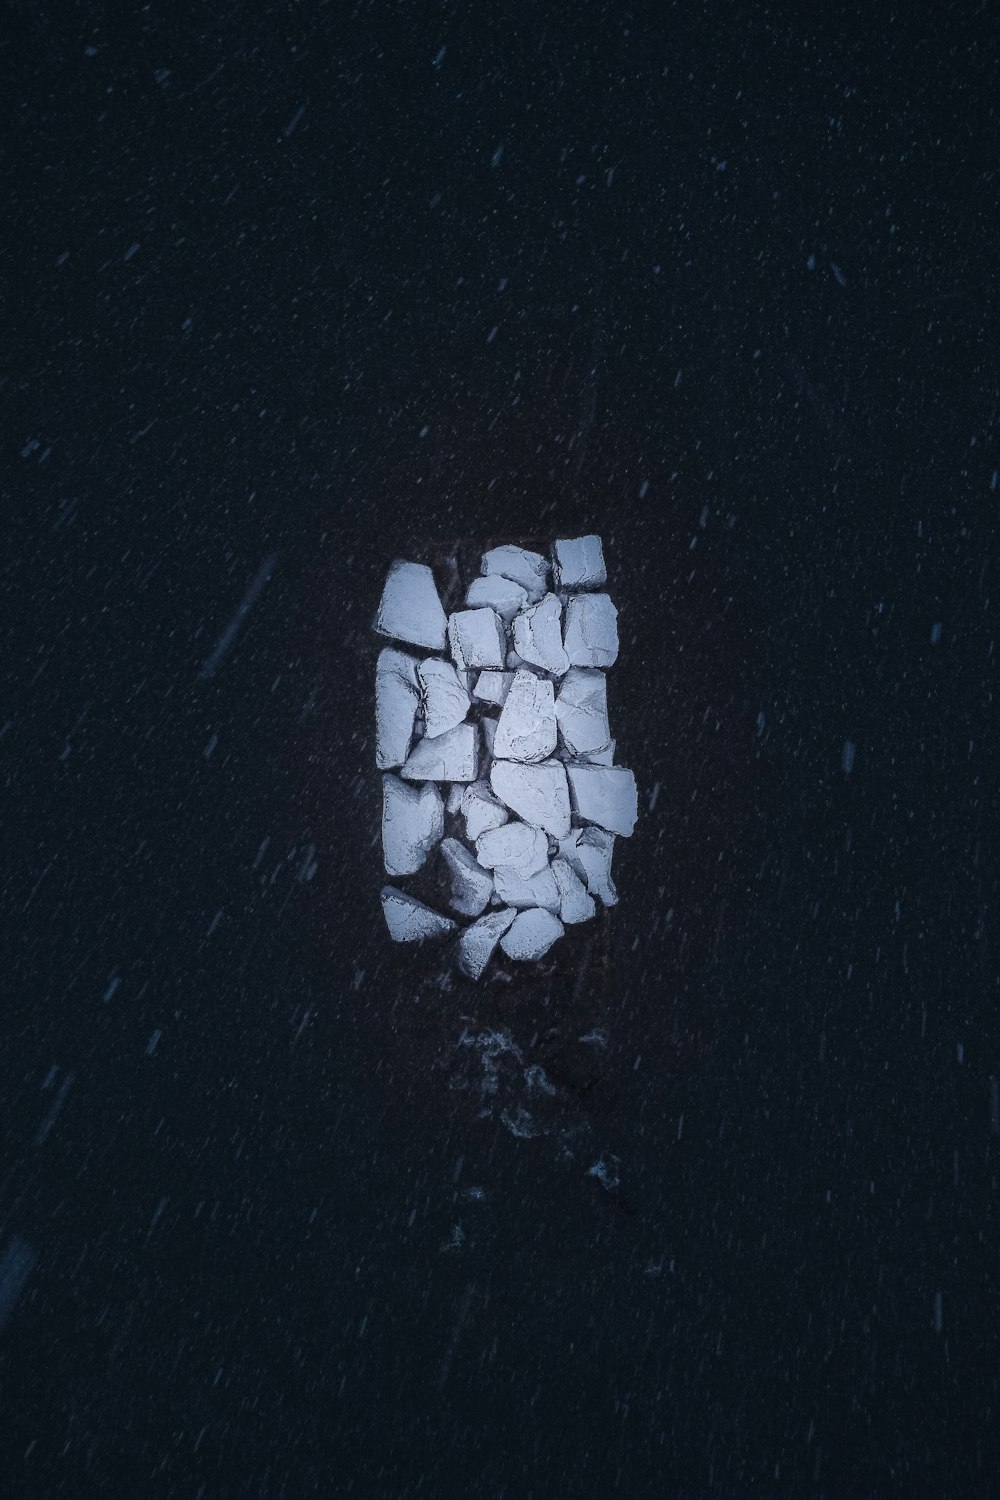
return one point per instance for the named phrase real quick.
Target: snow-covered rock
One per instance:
(396, 700)
(589, 852)
(529, 569)
(499, 593)
(605, 795)
(409, 920)
(582, 711)
(481, 810)
(477, 639)
(579, 563)
(539, 889)
(590, 635)
(531, 934)
(575, 904)
(539, 794)
(527, 727)
(538, 636)
(412, 823)
(518, 846)
(471, 885)
(444, 694)
(448, 757)
(477, 943)
(410, 609)
(493, 687)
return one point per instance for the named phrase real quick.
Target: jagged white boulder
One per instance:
(471, 885)
(396, 699)
(499, 593)
(412, 823)
(455, 795)
(589, 851)
(445, 697)
(489, 728)
(517, 846)
(605, 795)
(605, 757)
(529, 569)
(477, 943)
(477, 639)
(448, 757)
(579, 563)
(538, 636)
(493, 687)
(537, 793)
(410, 609)
(531, 934)
(575, 903)
(590, 635)
(582, 711)
(481, 810)
(539, 889)
(527, 727)
(409, 920)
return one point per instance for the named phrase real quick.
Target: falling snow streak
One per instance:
(228, 636)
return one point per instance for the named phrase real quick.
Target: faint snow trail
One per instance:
(246, 604)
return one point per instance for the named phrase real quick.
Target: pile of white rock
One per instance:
(505, 728)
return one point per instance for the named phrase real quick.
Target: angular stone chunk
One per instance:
(539, 889)
(501, 594)
(575, 905)
(579, 563)
(471, 885)
(409, 920)
(455, 795)
(477, 638)
(493, 687)
(531, 934)
(528, 569)
(591, 632)
(527, 727)
(412, 823)
(449, 757)
(538, 636)
(517, 846)
(445, 696)
(396, 699)
(410, 609)
(476, 944)
(589, 852)
(538, 794)
(582, 711)
(605, 795)
(481, 810)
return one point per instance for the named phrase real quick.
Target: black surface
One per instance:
(742, 271)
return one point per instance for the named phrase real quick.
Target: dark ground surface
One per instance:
(742, 272)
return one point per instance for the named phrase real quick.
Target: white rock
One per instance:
(477, 638)
(409, 920)
(531, 934)
(493, 687)
(412, 823)
(481, 810)
(476, 944)
(538, 636)
(579, 563)
(448, 757)
(455, 795)
(396, 699)
(410, 609)
(501, 594)
(591, 632)
(582, 711)
(589, 851)
(539, 889)
(518, 846)
(514, 661)
(528, 569)
(605, 795)
(471, 885)
(538, 794)
(444, 694)
(527, 727)
(575, 905)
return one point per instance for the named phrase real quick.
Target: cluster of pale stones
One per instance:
(536, 788)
